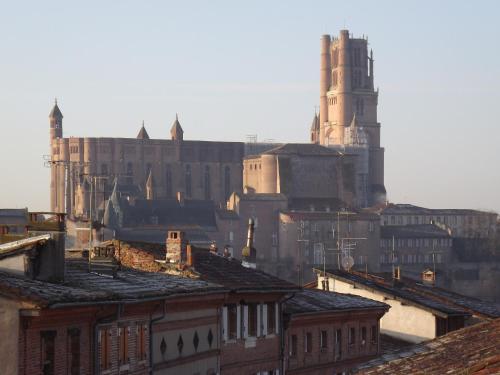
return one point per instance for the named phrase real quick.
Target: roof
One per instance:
(82, 287)
(13, 216)
(176, 130)
(316, 301)
(471, 350)
(413, 231)
(143, 134)
(56, 112)
(158, 235)
(304, 149)
(315, 123)
(403, 208)
(397, 291)
(169, 212)
(231, 274)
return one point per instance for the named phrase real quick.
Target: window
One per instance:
(352, 336)
(308, 343)
(105, 348)
(271, 318)
(252, 319)
(227, 182)
(206, 182)
(141, 341)
(374, 334)
(168, 181)
(232, 321)
(324, 340)
(104, 169)
(123, 357)
(293, 346)
(371, 226)
(74, 351)
(338, 344)
(187, 178)
(363, 336)
(48, 352)
(130, 172)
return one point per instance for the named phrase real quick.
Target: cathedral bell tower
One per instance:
(55, 121)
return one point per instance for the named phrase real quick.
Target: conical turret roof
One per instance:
(176, 130)
(143, 134)
(56, 112)
(315, 122)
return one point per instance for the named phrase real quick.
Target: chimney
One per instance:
(249, 254)
(180, 198)
(213, 248)
(396, 274)
(428, 277)
(189, 255)
(176, 247)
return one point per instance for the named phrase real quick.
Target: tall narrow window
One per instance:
(252, 319)
(130, 172)
(168, 181)
(374, 334)
(105, 348)
(141, 332)
(308, 342)
(293, 345)
(123, 345)
(227, 182)
(206, 182)
(232, 318)
(271, 318)
(324, 340)
(48, 352)
(188, 180)
(104, 169)
(338, 344)
(363, 335)
(74, 351)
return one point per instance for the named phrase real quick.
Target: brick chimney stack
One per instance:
(176, 247)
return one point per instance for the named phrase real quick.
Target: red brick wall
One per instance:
(321, 360)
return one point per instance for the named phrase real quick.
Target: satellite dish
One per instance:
(347, 263)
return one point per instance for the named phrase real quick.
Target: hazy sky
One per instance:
(234, 68)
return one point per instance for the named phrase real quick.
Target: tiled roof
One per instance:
(397, 291)
(302, 149)
(401, 208)
(231, 274)
(13, 216)
(471, 350)
(143, 134)
(80, 286)
(413, 231)
(315, 301)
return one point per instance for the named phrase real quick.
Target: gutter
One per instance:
(131, 301)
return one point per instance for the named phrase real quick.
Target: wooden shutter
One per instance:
(238, 321)
(277, 313)
(259, 319)
(264, 319)
(245, 321)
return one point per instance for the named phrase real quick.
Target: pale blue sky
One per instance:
(232, 68)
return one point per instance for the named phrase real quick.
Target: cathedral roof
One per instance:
(143, 134)
(176, 130)
(56, 112)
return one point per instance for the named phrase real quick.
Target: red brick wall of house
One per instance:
(321, 360)
(60, 321)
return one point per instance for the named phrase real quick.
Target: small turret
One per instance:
(176, 131)
(315, 129)
(143, 134)
(55, 120)
(249, 254)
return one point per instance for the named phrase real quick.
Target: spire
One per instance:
(56, 112)
(315, 122)
(112, 213)
(150, 186)
(354, 122)
(176, 130)
(143, 134)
